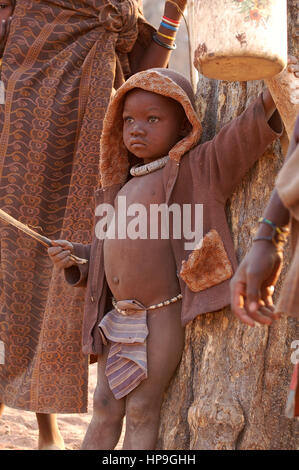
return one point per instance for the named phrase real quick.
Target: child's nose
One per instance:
(137, 129)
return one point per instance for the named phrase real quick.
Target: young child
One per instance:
(158, 285)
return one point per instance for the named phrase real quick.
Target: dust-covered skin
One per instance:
(143, 269)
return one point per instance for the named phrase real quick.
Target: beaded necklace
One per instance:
(140, 170)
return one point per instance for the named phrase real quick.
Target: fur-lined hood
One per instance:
(114, 161)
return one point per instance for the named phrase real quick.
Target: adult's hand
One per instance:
(176, 7)
(253, 284)
(156, 55)
(180, 3)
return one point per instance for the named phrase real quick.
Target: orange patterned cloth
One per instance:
(63, 59)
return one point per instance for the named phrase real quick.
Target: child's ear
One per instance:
(186, 127)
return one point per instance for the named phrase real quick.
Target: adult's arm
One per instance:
(253, 283)
(156, 55)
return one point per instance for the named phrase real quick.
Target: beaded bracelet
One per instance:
(170, 21)
(263, 220)
(279, 234)
(168, 26)
(279, 230)
(279, 243)
(163, 44)
(171, 38)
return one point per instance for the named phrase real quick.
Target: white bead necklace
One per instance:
(140, 170)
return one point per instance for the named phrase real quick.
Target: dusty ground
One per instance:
(18, 429)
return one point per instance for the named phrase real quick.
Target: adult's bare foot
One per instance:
(49, 435)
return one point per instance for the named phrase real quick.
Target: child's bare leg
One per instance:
(104, 430)
(1, 409)
(49, 434)
(165, 346)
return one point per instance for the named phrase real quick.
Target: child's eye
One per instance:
(3, 5)
(128, 119)
(153, 119)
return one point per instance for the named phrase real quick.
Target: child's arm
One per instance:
(239, 144)
(272, 117)
(60, 255)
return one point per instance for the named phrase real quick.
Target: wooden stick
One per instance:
(37, 236)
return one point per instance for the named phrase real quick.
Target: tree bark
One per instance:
(230, 389)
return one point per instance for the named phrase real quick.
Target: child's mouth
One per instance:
(136, 144)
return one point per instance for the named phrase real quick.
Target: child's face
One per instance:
(153, 124)
(5, 9)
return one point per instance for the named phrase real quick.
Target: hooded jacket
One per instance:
(195, 173)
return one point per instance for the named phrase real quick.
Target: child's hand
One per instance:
(4, 30)
(293, 69)
(60, 254)
(293, 65)
(289, 79)
(284, 89)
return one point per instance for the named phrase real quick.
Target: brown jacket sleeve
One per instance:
(226, 158)
(77, 275)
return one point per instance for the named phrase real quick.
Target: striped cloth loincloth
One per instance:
(126, 327)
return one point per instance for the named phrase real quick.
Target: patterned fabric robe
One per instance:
(62, 60)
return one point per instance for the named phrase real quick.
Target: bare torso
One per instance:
(141, 269)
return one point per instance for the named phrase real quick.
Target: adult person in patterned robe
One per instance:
(62, 60)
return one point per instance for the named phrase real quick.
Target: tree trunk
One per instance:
(231, 386)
